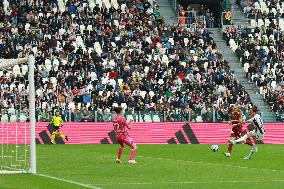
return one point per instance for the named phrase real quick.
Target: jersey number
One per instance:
(115, 126)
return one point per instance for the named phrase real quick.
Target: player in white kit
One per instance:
(258, 131)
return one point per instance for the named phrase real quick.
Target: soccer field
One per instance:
(159, 166)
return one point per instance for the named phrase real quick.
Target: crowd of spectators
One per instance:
(262, 9)
(91, 59)
(261, 51)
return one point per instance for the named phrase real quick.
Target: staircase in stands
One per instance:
(167, 12)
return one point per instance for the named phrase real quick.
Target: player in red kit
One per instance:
(237, 129)
(120, 126)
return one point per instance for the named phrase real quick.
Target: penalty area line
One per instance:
(212, 164)
(69, 181)
(206, 163)
(190, 182)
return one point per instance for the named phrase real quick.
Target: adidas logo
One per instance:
(179, 136)
(45, 137)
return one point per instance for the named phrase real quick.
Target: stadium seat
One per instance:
(99, 2)
(165, 59)
(106, 3)
(90, 27)
(25, 69)
(161, 81)
(93, 76)
(120, 81)
(16, 70)
(129, 117)
(146, 69)
(12, 86)
(71, 105)
(199, 119)
(11, 111)
(13, 118)
(48, 67)
(123, 7)
(123, 105)
(22, 118)
(171, 41)
(4, 118)
(6, 6)
(156, 118)
(53, 80)
(260, 22)
(147, 118)
(253, 23)
(267, 22)
(273, 84)
(143, 93)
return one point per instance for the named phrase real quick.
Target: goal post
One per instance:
(14, 136)
(31, 61)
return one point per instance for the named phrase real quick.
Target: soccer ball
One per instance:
(215, 148)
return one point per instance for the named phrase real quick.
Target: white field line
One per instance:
(207, 163)
(214, 164)
(191, 182)
(70, 181)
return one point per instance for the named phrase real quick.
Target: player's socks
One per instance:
(66, 138)
(253, 150)
(132, 154)
(243, 138)
(52, 138)
(230, 147)
(62, 136)
(119, 153)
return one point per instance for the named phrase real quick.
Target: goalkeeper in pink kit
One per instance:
(120, 126)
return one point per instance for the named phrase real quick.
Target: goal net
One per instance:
(17, 128)
(15, 148)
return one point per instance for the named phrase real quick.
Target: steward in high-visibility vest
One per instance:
(228, 17)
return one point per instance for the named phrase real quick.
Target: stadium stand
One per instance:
(93, 56)
(261, 48)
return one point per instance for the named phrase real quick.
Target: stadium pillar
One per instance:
(214, 114)
(31, 61)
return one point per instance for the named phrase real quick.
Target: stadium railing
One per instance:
(175, 115)
(175, 5)
(210, 115)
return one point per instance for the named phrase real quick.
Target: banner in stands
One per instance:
(142, 133)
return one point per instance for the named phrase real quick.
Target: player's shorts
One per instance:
(56, 128)
(237, 131)
(124, 139)
(258, 135)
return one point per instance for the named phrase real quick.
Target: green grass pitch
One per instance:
(159, 167)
